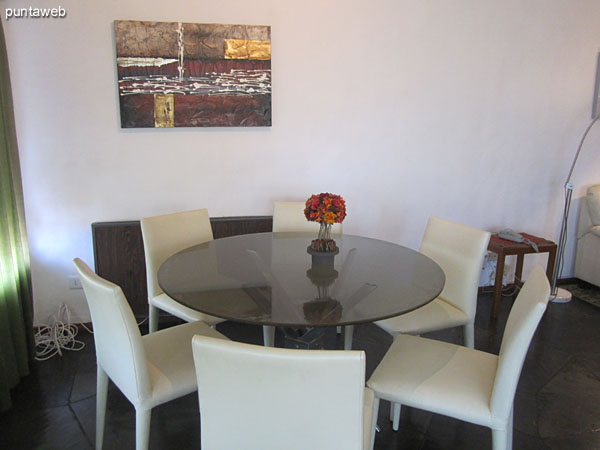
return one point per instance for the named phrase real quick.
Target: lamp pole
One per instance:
(560, 295)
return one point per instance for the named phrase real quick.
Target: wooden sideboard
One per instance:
(119, 252)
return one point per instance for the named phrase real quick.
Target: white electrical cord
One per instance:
(489, 266)
(57, 336)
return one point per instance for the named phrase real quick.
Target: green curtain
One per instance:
(16, 305)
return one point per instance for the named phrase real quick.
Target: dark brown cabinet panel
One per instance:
(119, 257)
(119, 252)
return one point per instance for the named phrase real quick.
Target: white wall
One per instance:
(470, 109)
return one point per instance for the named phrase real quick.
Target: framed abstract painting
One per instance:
(174, 74)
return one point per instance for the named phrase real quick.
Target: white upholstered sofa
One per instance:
(587, 261)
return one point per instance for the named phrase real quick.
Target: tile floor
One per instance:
(557, 405)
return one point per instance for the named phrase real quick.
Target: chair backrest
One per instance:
(278, 398)
(522, 322)
(165, 235)
(119, 348)
(459, 250)
(289, 217)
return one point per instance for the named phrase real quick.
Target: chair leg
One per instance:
(374, 422)
(509, 430)
(395, 415)
(469, 332)
(269, 336)
(348, 332)
(500, 439)
(101, 394)
(142, 428)
(153, 319)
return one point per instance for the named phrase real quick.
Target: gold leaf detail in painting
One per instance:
(247, 49)
(164, 107)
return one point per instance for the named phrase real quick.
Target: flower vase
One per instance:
(323, 249)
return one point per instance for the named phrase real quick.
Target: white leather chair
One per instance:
(164, 236)
(459, 250)
(289, 217)
(282, 398)
(149, 370)
(587, 260)
(464, 383)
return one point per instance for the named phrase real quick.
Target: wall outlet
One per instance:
(75, 282)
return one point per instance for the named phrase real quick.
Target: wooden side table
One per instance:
(504, 248)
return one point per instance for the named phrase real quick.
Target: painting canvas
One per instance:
(174, 74)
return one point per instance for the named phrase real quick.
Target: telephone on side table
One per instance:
(512, 235)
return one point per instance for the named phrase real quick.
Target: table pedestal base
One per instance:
(304, 338)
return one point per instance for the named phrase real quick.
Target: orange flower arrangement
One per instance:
(326, 209)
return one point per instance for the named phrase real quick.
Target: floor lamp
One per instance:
(560, 295)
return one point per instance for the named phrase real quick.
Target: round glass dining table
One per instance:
(271, 279)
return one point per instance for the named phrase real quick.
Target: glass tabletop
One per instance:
(271, 279)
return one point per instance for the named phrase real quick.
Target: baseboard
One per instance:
(568, 281)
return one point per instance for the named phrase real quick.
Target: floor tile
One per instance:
(541, 364)
(43, 429)
(84, 385)
(569, 403)
(525, 413)
(587, 441)
(448, 433)
(523, 441)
